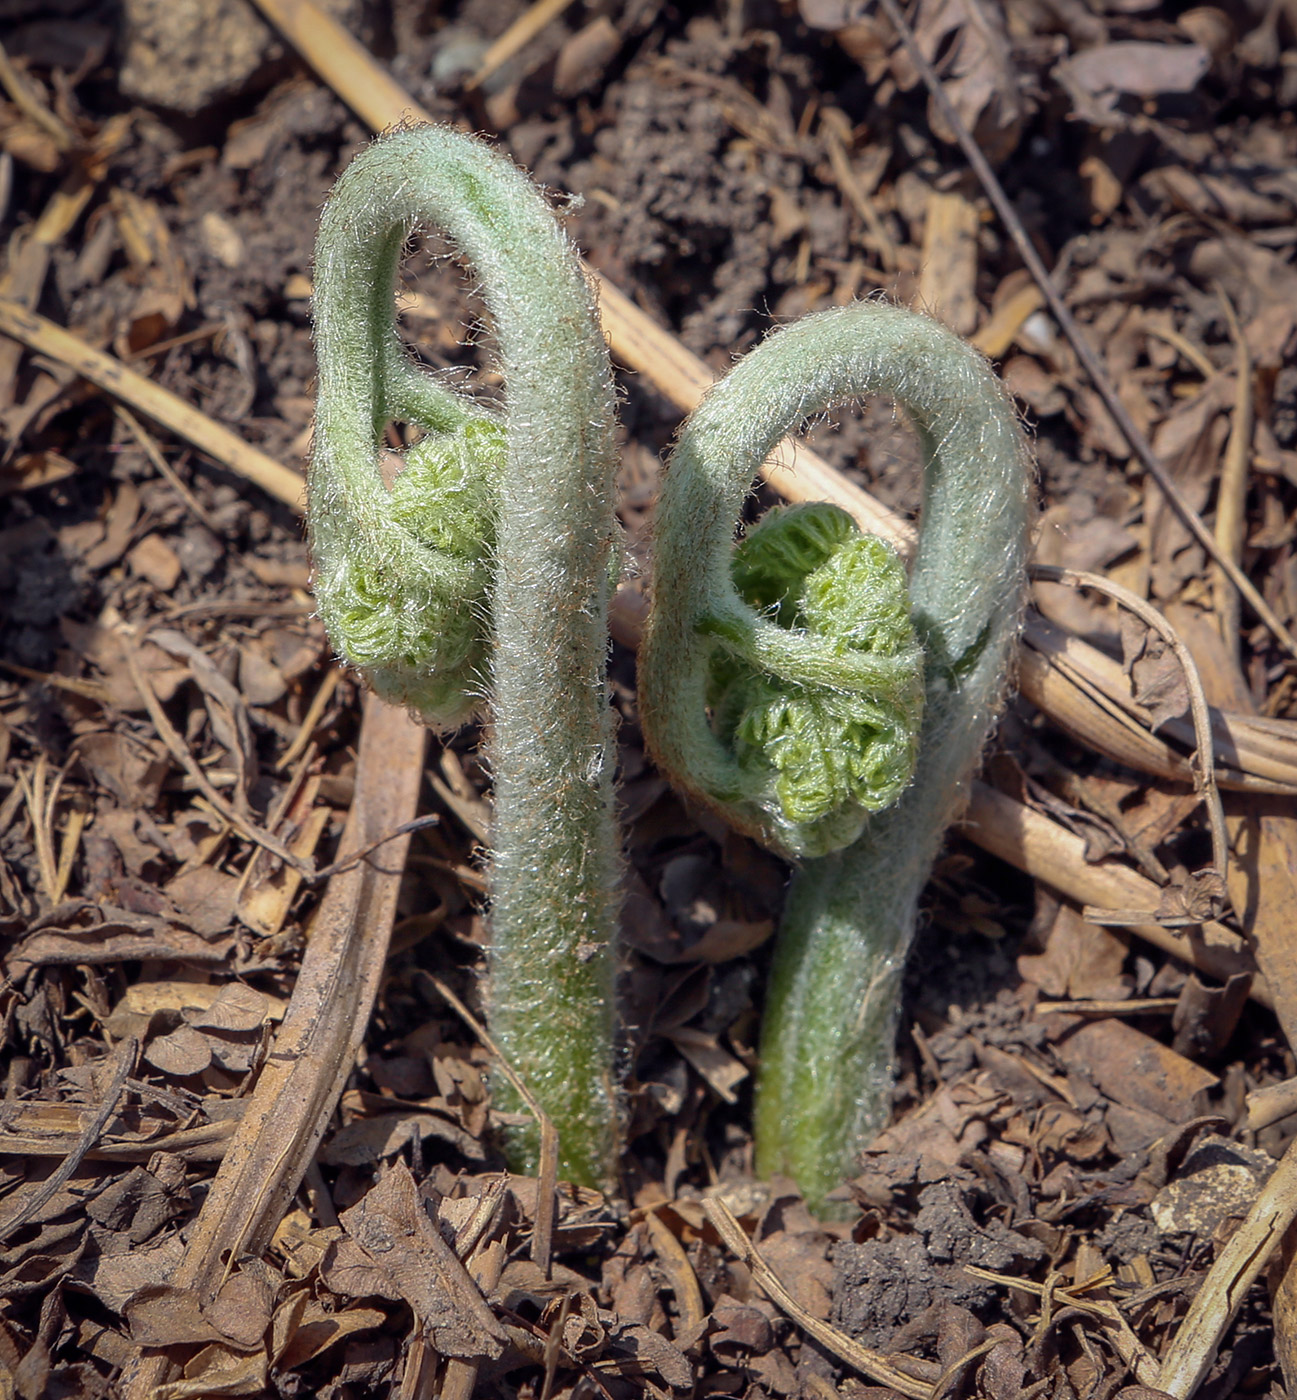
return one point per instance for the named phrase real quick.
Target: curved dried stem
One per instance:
(1210, 883)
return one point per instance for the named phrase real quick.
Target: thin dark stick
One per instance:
(1204, 759)
(89, 1136)
(338, 866)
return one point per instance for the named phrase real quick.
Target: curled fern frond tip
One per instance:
(819, 757)
(403, 598)
(483, 572)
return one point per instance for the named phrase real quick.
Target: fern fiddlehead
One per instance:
(483, 573)
(778, 716)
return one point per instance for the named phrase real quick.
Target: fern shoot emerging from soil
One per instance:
(781, 684)
(483, 572)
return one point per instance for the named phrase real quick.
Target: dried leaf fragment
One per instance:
(404, 1247)
(163, 1316)
(1138, 68)
(1157, 677)
(303, 1329)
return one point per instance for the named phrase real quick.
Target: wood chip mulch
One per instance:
(220, 1174)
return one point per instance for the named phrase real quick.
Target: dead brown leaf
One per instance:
(304, 1329)
(976, 68)
(403, 1247)
(1080, 959)
(1157, 676)
(218, 1371)
(81, 932)
(1136, 1070)
(1136, 67)
(162, 1316)
(204, 899)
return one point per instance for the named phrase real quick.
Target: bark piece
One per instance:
(1136, 1070)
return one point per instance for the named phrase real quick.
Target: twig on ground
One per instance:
(1041, 847)
(836, 131)
(1231, 489)
(64, 1172)
(1184, 346)
(514, 39)
(15, 84)
(1086, 692)
(679, 1271)
(164, 407)
(179, 750)
(24, 278)
(1136, 1006)
(1238, 1265)
(41, 802)
(1210, 882)
(1271, 1103)
(344, 64)
(314, 711)
(485, 1264)
(1133, 1352)
(315, 1047)
(340, 867)
(164, 468)
(866, 1360)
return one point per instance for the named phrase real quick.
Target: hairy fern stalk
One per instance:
(483, 574)
(791, 686)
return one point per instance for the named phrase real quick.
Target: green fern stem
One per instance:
(484, 572)
(827, 1040)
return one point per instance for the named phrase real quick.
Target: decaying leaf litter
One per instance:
(1091, 1106)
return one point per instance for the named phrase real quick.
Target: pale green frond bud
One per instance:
(820, 758)
(405, 602)
(773, 560)
(444, 495)
(775, 684)
(860, 598)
